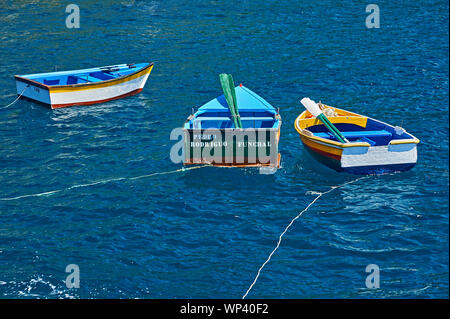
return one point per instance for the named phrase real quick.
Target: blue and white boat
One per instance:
(84, 87)
(246, 136)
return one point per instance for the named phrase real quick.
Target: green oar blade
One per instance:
(233, 94)
(336, 130)
(227, 92)
(333, 130)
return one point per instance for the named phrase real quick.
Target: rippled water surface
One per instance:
(204, 233)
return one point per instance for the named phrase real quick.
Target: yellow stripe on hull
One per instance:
(324, 148)
(357, 120)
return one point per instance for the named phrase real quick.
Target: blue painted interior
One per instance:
(358, 134)
(85, 75)
(375, 133)
(255, 112)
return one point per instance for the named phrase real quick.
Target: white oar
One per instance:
(315, 110)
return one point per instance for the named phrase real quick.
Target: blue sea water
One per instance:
(204, 233)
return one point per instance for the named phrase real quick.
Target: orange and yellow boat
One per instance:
(371, 147)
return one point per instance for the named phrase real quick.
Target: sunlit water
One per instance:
(204, 233)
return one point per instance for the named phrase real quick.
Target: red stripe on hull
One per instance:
(333, 156)
(57, 106)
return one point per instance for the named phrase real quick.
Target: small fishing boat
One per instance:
(239, 128)
(84, 87)
(346, 141)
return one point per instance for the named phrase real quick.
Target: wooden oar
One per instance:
(315, 110)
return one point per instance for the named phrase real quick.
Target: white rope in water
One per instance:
(290, 224)
(438, 147)
(20, 95)
(102, 182)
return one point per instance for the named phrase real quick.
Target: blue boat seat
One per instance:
(73, 79)
(51, 82)
(367, 140)
(101, 76)
(356, 134)
(214, 118)
(227, 122)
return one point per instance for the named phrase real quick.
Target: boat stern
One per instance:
(32, 90)
(232, 147)
(380, 159)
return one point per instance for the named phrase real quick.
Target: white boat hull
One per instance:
(85, 94)
(379, 155)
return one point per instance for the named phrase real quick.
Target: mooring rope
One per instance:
(17, 99)
(103, 182)
(292, 222)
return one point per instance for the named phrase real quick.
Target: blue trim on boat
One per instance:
(255, 112)
(375, 133)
